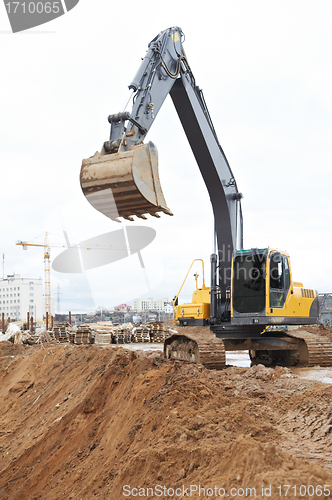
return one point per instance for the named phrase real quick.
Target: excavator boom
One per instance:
(123, 181)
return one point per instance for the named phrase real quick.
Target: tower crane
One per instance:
(47, 260)
(47, 268)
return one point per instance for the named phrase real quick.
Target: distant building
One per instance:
(19, 296)
(168, 308)
(161, 305)
(122, 308)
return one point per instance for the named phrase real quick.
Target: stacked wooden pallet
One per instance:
(157, 332)
(104, 335)
(105, 326)
(122, 333)
(83, 335)
(141, 334)
(71, 336)
(61, 332)
(122, 336)
(119, 337)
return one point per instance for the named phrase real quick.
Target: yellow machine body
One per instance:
(297, 304)
(125, 183)
(198, 308)
(283, 301)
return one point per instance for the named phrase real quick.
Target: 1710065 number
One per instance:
(33, 7)
(303, 490)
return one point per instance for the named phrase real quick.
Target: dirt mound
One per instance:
(86, 422)
(323, 331)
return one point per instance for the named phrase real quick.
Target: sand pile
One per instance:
(88, 422)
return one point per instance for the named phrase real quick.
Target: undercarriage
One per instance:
(272, 347)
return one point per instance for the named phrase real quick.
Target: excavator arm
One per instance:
(122, 180)
(161, 66)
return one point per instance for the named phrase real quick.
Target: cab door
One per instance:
(279, 282)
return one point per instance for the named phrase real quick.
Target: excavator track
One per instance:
(196, 346)
(317, 350)
(199, 345)
(311, 350)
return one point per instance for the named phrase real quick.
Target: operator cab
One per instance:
(263, 291)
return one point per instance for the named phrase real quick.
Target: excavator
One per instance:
(252, 303)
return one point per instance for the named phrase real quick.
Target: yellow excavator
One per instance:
(252, 302)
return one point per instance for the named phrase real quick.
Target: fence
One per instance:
(325, 308)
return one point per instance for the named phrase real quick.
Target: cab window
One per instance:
(249, 283)
(279, 279)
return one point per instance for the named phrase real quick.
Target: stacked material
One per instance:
(71, 334)
(61, 331)
(103, 338)
(17, 336)
(141, 334)
(103, 335)
(104, 326)
(122, 333)
(127, 326)
(83, 335)
(157, 332)
(23, 337)
(39, 337)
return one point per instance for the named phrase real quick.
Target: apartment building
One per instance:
(151, 304)
(21, 295)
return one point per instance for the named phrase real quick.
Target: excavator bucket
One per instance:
(124, 184)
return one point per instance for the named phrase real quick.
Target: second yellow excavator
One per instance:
(252, 301)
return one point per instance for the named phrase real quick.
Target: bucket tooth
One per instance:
(166, 211)
(124, 184)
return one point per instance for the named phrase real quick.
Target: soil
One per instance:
(83, 422)
(324, 331)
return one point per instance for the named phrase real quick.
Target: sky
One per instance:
(265, 69)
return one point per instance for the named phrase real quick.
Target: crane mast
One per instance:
(47, 273)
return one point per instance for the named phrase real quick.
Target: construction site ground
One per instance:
(83, 422)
